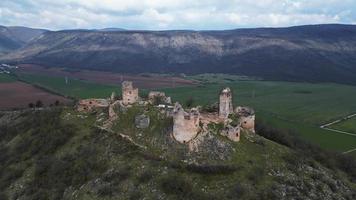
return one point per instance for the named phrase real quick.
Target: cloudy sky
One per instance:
(174, 14)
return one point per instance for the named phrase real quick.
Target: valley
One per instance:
(300, 108)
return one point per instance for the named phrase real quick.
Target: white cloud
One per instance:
(174, 14)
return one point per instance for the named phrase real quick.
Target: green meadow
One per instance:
(6, 78)
(296, 107)
(347, 125)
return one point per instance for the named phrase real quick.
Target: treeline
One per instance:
(330, 159)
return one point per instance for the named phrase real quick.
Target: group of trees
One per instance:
(39, 104)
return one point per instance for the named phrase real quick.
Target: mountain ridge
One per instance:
(313, 53)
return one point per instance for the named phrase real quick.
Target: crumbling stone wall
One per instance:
(225, 103)
(129, 93)
(87, 105)
(155, 96)
(247, 118)
(231, 132)
(185, 124)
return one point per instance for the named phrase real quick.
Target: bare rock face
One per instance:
(142, 121)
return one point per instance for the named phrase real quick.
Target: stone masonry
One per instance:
(129, 93)
(185, 124)
(225, 103)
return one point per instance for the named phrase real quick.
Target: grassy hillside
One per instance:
(61, 154)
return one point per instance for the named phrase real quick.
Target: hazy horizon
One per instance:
(174, 14)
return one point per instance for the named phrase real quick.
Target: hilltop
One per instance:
(314, 53)
(60, 153)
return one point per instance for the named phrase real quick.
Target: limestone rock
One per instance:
(142, 121)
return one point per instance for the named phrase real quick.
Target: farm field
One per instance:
(297, 107)
(347, 125)
(141, 81)
(5, 78)
(17, 94)
(73, 88)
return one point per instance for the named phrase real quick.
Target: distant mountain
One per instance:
(111, 29)
(12, 38)
(303, 53)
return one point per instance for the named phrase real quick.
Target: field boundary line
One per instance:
(325, 126)
(339, 120)
(349, 151)
(337, 131)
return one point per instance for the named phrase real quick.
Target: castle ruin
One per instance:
(129, 93)
(155, 97)
(185, 124)
(188, 126)
(225, 103)
(88, 105)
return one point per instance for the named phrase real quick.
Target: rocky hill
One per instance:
(60, 153)
(303, 53)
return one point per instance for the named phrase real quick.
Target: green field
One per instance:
(5, 78)
(347, 125)
(74, 88)
(298, 107)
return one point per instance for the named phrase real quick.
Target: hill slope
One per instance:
(304, 53)
(14, 37)
(62, 154)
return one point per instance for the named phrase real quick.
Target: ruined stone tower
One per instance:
(225, 103)
(129, 93)
(185, 124)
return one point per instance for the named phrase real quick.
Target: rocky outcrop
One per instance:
(142, 121)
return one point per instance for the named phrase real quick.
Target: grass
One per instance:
(347, 125)
(75, 88)
(6, 78)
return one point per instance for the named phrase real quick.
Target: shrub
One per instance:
(211, 169)
(39, 104)
(189, 102)
(176, 185)
(145, 176)
(237, 191)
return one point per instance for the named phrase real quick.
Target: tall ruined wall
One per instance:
(248, 122)
(185, 125)
(161, 97)
(225, 103)
(87, 105)
(129, 93)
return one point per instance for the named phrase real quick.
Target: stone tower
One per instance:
(225, 103)
(129, 93)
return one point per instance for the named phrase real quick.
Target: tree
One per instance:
(31, 105)
(39, 104)
(189, 102)
(56, 103)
